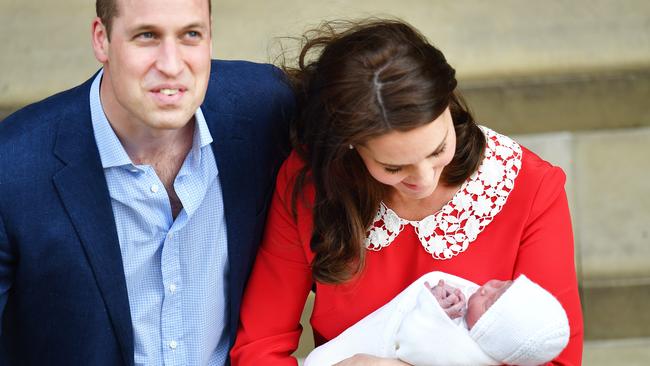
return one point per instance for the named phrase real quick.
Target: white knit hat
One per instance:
(525, 326)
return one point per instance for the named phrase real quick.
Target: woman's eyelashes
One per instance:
(438, 152)
(397, 169)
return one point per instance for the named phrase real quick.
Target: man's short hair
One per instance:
(107, 10)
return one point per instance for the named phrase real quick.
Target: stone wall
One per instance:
(46, 45)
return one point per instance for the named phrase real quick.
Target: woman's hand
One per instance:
(368, 360)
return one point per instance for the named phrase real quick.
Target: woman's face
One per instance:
(411, 162)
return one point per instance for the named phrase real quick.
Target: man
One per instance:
(130, 212)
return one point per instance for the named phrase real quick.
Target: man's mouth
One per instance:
(168, 92)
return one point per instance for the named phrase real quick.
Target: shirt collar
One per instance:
(110, 148)
(202, 136)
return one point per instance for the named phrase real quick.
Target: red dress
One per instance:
(510, 217)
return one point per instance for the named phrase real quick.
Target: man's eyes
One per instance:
(193, 36)
(146, 35)
(190, 35)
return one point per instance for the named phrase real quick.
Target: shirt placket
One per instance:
(171, 317)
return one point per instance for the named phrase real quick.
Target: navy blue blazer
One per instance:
(59, 251)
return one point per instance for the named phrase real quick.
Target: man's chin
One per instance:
(171, 120)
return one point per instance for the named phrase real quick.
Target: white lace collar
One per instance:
(450, 231)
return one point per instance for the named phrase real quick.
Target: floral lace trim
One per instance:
(449, 231)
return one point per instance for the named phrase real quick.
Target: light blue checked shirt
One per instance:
(175, 269)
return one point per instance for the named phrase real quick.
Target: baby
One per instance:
(452, 299)
(503, 322)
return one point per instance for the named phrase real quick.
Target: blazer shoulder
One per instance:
(247, 88)
(28, 136)
(32, 119)
(246, 73)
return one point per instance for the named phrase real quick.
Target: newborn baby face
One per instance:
(483, 298)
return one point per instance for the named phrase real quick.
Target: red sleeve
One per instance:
(269, 328)
(546, 256)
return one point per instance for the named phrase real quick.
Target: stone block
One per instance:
(557, 149)
(612, 200)
(45, 48)
(628, 352)
(578, 101)
(306, 343)
(502, 37)
(616, 309)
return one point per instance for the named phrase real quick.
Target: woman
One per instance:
(391, 178)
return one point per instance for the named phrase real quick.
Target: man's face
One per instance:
(156, 64)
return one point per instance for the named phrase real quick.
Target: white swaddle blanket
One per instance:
(412, 327)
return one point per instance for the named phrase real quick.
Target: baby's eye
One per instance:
(392, 170)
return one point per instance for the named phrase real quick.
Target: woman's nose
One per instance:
(422, 173)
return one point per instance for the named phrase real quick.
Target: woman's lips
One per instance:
(413, 187)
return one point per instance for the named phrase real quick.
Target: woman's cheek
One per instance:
(444, 161)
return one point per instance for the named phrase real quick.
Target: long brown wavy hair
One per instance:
(356, 81)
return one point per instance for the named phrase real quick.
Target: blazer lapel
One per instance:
(82, 187)
(232, 151)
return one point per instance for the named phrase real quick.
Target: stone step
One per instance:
(579, 101)
(616, 309)
(545, 103)
(623, 352)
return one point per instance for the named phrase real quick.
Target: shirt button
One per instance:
(170, 236)
(173, 344)
(172, 288)
(155, 188)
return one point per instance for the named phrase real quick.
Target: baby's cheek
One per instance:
(474, 310)
(471, 319)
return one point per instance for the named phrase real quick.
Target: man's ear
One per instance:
(100, 40)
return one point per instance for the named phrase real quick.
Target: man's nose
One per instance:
(170, 58)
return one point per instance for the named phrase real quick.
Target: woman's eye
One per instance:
(439, 152)
(392, 170)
